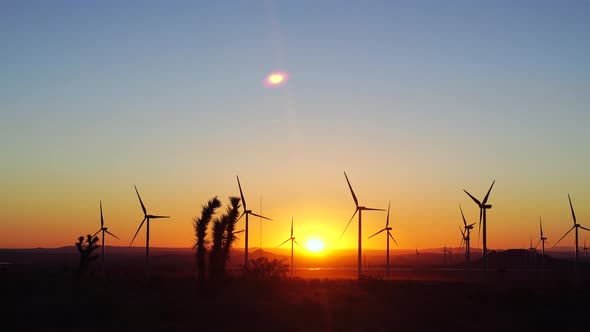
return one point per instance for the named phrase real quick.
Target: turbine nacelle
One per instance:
(486, 206)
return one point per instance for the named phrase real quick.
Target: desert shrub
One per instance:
(263, 268)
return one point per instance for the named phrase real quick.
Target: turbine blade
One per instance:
(287, 240)
(241, 193)
(356, 202)
(237, 232)
(259, 216)
(159, 217)
(541, 226)
(572, 207)
(297, 243)
(391, 236)
(137, 231)
(377, 233)
(354, 214)
(372, 209)
(584, 228)
(387, 222)
(463, 216)
(140, 202)
(101, 219)
(564, 236)
(473, 198)
(291, 226)
(538, 244)
(98, 231)
(243, 213)
(488, 194)
(479, 226)
(113, 235)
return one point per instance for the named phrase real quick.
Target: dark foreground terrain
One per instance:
(43, 299)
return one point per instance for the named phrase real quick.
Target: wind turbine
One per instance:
(533, 250)
(576, 226)
(445, 250)
(247, 213)
(542, 242)
(292, 239)
(104, 230)
(466, 235)
(388, 229)
(147, 217)
(359, 209)
(482, 214)
(417, 256)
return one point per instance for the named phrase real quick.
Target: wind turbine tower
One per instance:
(358, 209)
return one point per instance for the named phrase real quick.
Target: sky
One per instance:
(415, 100)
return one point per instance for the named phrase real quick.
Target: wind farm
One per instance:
(160, 109)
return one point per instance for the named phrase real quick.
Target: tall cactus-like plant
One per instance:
(200, 225)
(86, 248)
(233, 213)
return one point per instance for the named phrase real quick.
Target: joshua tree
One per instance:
(232, 219)
(86, 248)
(223, 238)
(200, 225)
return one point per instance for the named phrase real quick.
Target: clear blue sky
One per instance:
(416, 99)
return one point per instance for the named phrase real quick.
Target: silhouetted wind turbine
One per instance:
(541, 242)
(417, 255)
(466, 235)
(482, 214)
(576, 226)
(103, 230)
(445, 250)
(388, 229)
(292, 239)
(247, 213)
(359, 209)
(146, 217)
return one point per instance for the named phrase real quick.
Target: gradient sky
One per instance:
(416, 100)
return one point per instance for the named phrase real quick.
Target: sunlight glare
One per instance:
(315, 245)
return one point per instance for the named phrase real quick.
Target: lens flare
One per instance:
(275, 79)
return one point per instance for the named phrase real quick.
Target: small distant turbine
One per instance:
(247, 213)
(576, 226)
(292, 239)
(483, 207)
(542, 241)
(359, 209)
(466, 232)
(388, 229)
(445, 251)
(417, 256)
(103, 230)
(147, 217)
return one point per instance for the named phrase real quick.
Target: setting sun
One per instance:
(315, 245)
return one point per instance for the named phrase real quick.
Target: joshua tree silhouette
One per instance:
(223, 237)
(201, 224)
(86, 248)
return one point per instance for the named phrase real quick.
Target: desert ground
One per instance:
(51, 296)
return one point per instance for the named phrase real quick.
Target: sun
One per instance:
(315, 245)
